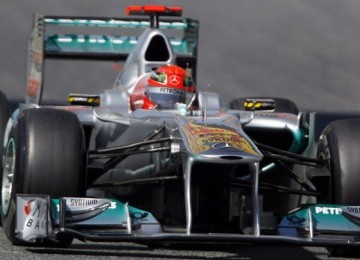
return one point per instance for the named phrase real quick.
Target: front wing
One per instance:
(40, 217)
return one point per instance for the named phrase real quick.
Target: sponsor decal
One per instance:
(139, 215)
(37, 57)
(355, 210)
(35, 224)
(27, 207)
(352, 213)
(79, 99)
(83, 202)
(33, 87)
(221, 146)
(174, 80)
(295, 220)
(259, 104)
(172, 91)
(82, 209)
(328, 210)
(203, 138)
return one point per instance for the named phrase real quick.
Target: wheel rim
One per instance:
(8, 176)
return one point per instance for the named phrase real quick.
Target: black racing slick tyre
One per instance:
(339, 147)
(282, 105)
(44, 155)
(4, 116)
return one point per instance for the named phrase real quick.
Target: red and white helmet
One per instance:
(167, 86)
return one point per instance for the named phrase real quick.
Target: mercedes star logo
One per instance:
(174, 80)
(220, 146)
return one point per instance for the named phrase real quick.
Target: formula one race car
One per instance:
(154, 159)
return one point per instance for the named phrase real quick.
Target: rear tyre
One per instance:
(44, 155)
(282, 105)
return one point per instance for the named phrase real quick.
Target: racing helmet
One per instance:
(169, 85)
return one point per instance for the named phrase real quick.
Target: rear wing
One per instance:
(48, 41)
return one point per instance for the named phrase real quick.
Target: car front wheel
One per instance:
(339, 147)
(44, 155)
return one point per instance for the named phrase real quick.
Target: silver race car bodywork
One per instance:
(189, 174)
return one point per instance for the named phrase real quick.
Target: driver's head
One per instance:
(169, 85)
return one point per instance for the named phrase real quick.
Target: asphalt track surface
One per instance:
(304, 50)
(80, 250)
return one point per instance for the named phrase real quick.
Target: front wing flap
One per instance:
(321, 219)
(39, 217)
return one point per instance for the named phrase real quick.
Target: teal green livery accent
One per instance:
(321, 219)
(106, 44)
(115, 215)
(117, 23)
(299, 142)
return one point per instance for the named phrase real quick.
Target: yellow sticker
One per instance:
(200, 138)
